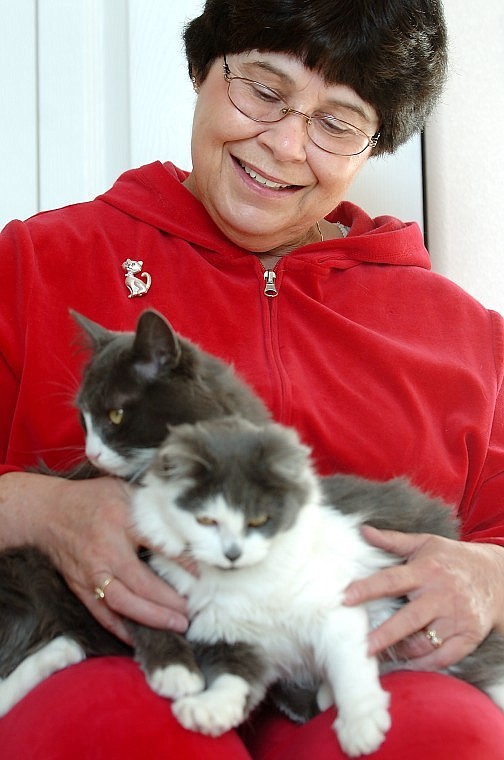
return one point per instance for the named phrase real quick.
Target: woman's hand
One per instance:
(454, 588)
(85, 527)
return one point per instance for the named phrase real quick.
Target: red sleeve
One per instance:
(483, 513)
(16, 253)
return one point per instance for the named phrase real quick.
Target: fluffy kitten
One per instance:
(274, 560)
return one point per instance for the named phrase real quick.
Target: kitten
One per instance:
(135, 384)
(274, 560)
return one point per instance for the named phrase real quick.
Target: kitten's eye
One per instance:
(116, 416)
(203, 520)
(258, 522)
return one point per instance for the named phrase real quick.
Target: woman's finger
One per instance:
(411, 618)
(394, 542)
(119, 597)
(395, 581)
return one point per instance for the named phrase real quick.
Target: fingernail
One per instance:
(178, 623)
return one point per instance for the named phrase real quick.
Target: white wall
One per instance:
(18, 109)
(92, 87)
(465, 155)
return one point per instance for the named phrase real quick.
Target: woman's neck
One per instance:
(322, 231)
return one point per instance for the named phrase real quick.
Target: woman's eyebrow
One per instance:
(270, 69)
(353, 107)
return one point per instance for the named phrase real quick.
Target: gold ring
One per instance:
(99, 591)
(432, 635)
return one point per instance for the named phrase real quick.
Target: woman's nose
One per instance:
(287, 138)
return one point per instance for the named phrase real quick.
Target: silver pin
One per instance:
(135, 285)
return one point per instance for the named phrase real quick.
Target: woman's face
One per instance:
(296, 182)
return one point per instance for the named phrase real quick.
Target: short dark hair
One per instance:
(391, 52)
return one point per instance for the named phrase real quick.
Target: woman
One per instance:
(384, 367)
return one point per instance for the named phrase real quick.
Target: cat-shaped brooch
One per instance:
(135, 285)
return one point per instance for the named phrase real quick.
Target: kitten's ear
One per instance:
(180, 459)
(97, 335)
(287, 457)
(156, 345)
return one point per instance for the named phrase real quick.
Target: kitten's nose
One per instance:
(233, 553)
(93, 456)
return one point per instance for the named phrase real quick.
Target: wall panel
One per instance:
(18, 122)
(465, 155)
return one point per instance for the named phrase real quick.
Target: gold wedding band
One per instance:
(432, 635)
(99, 591)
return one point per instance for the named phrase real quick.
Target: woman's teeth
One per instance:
(262, 180)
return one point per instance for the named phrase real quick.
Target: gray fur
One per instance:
(158, 378)
(390, 505)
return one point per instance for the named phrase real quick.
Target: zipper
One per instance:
(280, 393)
(270, 289)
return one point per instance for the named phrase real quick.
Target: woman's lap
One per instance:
(105, 709)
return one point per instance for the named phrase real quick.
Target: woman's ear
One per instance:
(194, 79)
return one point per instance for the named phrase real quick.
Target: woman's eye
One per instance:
(257, 522)
(203, 520)
(116, 416)
(334, 126)
(264, 93)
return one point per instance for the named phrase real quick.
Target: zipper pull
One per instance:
(270, 289)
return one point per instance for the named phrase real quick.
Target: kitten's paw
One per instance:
(361, 727)
(175, 681)
(216, 710)
(58, 654)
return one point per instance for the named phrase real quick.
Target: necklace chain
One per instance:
(320, 232)
(342, 228)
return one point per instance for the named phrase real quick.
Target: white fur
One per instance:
(496, 692)
(218, 709)
(284, 597)
(58, 654)
(175, 681)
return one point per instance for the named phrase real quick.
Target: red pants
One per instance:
(103, 709)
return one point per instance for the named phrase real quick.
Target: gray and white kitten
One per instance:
(138, 383)
(274, 559)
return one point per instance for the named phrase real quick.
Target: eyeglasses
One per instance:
(261, 103)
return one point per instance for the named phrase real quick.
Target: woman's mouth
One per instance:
(264, 181)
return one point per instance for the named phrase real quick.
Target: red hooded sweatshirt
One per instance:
(384, 367)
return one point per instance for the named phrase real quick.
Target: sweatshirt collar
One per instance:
(155, 195)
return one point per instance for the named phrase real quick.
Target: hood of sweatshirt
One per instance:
(154, 194)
